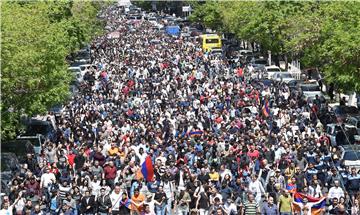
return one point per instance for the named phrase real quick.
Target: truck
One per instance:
(173, 30)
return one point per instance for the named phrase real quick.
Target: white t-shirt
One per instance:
(46, 179)
(8, 211)
(115, 200)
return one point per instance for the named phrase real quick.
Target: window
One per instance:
(212, 41)
(351, 155)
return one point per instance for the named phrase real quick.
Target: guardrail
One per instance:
(294, 68)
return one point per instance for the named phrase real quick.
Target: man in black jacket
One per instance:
(88, 204)
(103, 203)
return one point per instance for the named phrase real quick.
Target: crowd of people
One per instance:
(200, 118)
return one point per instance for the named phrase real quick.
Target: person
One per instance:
(147, 210)
(71, 202)
(65, 210)
(37, 211)
(7, 208)
(285, 201)
(269, 208)
(149, 203)
(137, 202)
(109, 174)
(182, 202)
(160, 201)
(46, 179)
(355, 209)
(87, 204)
(115, 198)
(126, 206)
(146, 93)
(230, 207)
(305, 206)
(336, 191)
(256, 188)
(333, 208)
(103, 203)
(202, 202)
(251, 207)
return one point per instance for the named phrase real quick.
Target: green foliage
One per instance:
(36, 38)
(321, 34)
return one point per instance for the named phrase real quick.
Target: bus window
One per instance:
(212, 41)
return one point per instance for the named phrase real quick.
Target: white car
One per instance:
(152, 20)
(310, 91)
(244, 52)
(285, 77)
(271, 70)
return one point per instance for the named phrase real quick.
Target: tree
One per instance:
(36, 38)
(322, 34)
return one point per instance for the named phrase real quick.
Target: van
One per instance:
(210, 41)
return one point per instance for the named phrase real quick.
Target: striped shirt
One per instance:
(251, 208)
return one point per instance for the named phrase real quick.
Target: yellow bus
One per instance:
(210, 41)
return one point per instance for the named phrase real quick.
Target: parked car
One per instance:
(353, 121)
(216, 52)
(350, 154)
(310, 90)
(36, 141)
(285, 77)
(340, 135)
(271, 70)
(9, 166)
(342, 112)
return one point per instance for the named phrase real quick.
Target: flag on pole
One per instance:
(147, 169)
(266, 109)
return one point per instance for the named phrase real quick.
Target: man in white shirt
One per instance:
(115, 198)
(7, 209)
(336, 191)
(47, 178)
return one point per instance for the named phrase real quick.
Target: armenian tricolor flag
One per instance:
(257, 97)
(291, 188)
(316, 205)
(147, 169)
(266, 108)
(126, 202)
(195, 133)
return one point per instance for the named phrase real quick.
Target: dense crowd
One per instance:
(201, 120)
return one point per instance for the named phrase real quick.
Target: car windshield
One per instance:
(218, 51)
(263, 62)
(35, 129)
(352, 155)
(310, 88)
(273, 70)
(285, 75)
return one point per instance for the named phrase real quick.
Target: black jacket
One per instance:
(103, 203)
(85, 204)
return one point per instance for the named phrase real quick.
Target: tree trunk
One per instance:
(276, 60)
(286, 62)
